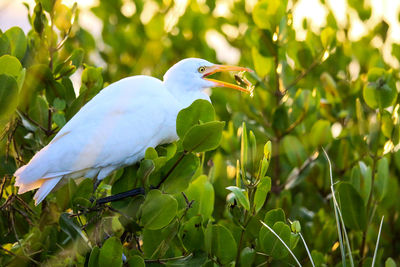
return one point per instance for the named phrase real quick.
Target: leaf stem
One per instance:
(172, 169)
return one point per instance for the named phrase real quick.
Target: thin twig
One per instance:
(304, 72)
(167, 259)
(8, 251)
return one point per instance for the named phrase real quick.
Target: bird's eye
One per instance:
(202, 69)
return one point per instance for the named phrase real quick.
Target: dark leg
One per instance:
(122, 195)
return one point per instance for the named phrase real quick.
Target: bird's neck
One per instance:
(186, 96)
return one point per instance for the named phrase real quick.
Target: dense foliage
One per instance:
(242, 167)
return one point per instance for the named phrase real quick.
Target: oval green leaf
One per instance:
(271, 245)
(204, 137)
(320, 133)
(263, 187)
(111, 253)
(202, 192)
(8, 95)
(158, 210)
(18, 42)
(352, 207)
(220, 243)
(199, 111)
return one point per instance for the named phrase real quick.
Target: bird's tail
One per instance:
(45, 189)
(32, 176)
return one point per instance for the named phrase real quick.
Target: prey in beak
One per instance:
(223, 68)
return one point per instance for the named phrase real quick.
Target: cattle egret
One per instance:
(115, 128)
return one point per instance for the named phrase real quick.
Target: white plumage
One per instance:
(116, 127)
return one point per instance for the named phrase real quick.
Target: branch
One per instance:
(304, 72)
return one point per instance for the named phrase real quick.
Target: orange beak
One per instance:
(220, 68)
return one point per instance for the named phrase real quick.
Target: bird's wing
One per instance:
(113, 129)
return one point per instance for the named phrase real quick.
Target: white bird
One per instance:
(115, 128)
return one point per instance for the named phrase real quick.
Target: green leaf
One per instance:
(10, 65)
(204, 137)
(71, 229)
(247, 256)
(280, 119)
(380, 91)
(77, 57)
(94, 257)
(18, 42)
(199, 111)
(145, 170)
(39, 18)
(111, 253)
(396, 51)
(48, 4)
(244, 147)
(263, 187)
(268, 14)
(241, 196)
(352, 207)
(85, 189)
(220, 243)
(193, 260)
(202, 192)
(59, 104)
(136, 261)
(360, 117)
(387, 123)
(266, 159)
(305, 57)
(158, 210)
(296, 227)
(4, 45)
(39, 110)
(59, 119)
(37, 77)
(390, 263)
(294, 150)
(328, 36)
(330, 87)
(382, 178)
(262, 65)
(273, 216)
(179, 179)
(271, 245)
(318, 258)
(192, 234)
(294, 239)
(92, 82)
(8, 95)
(320, 133)
(151, 153)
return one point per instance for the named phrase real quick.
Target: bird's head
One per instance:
(192, 74)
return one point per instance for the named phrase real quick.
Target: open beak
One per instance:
(220, 68)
